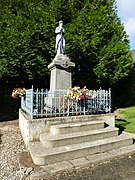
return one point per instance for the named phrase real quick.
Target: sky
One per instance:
(126, 12)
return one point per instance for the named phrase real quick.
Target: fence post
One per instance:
(36, 102)
(42, 101)
(68, 108)
(110, 100)
(32, 102)
(84, 108)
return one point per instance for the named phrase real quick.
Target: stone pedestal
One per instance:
(60, 73)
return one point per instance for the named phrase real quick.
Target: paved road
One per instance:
(118, 169)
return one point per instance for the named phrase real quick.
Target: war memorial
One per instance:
(66, 127)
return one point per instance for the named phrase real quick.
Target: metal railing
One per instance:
(43, 103)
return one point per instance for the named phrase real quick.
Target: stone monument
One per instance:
(61, 73)
(61, 65)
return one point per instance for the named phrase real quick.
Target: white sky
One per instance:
(126, 12)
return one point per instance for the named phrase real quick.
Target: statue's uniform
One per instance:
(60, 41)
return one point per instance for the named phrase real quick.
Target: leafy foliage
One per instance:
(95, 41)
(102, 53)
(25, 40)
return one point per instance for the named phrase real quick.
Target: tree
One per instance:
(25, 40)
(99, 45)
(26, 46)
(95, 41)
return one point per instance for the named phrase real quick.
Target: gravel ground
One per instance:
(12, 144)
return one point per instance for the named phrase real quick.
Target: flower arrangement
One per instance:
(18, 92)
(77, 93)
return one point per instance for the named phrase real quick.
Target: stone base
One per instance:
(60, 72)
(32, 128)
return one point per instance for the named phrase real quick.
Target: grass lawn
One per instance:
(125, 119)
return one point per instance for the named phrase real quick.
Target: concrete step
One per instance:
(46, 156)
(42, 172)
(85, 162)
(75, 138)
(76, 127)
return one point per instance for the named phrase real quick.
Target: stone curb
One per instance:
(41, 172)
